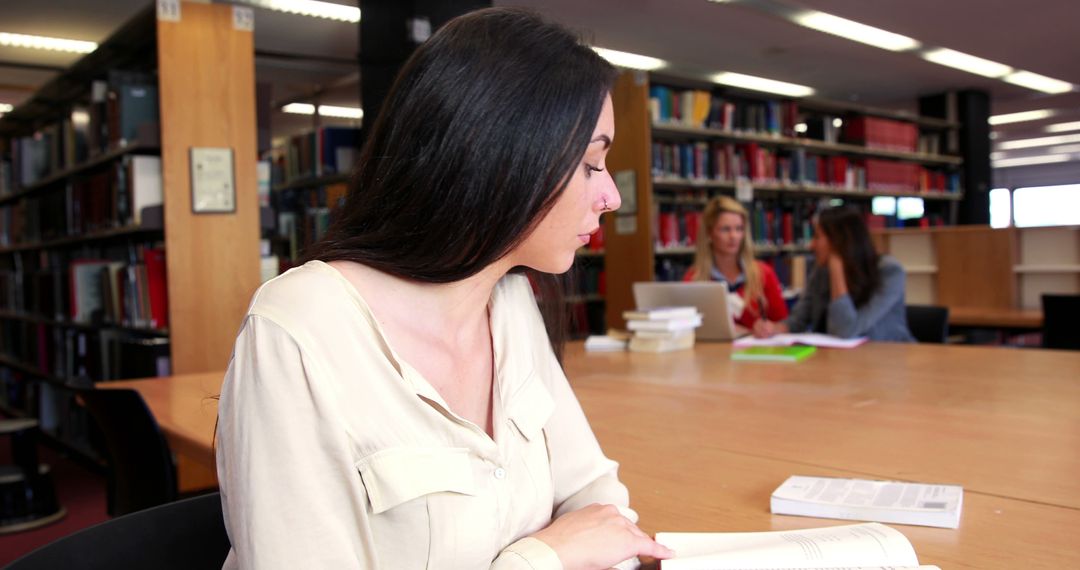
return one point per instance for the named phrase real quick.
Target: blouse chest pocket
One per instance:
(399, 482)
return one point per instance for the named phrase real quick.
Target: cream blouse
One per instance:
(332, 452)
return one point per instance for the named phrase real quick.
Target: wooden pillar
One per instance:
(206, 71)
(628, 237)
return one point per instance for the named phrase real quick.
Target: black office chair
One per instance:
(1061, 321)
(185, 535)
(142, 473)
(928, 323)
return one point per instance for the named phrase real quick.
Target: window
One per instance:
(1046, 206)
(1000, 208)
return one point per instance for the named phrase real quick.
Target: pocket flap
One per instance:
(532, 407)
(398, 475)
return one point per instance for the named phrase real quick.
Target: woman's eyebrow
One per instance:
(602, 138)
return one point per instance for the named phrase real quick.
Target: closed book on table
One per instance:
(897, 502)
(774, 353)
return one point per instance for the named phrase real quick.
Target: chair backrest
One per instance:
(142, 473)
(1061, 321)
(928, 323)
(185, 535)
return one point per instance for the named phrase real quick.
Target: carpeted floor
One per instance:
(81, 492)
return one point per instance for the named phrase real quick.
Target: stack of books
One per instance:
(662, 329)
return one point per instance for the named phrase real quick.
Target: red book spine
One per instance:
(157, 286)
(788, 227)
(669, 229)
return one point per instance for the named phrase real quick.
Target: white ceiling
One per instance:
(696, 36)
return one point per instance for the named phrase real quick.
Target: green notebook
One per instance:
(774, 353)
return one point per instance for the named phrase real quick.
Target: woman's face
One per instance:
(728, 234)
(576, 214)
(819, 244)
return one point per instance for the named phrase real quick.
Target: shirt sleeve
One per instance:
(847, 321)
(774, 294)
(292, 497)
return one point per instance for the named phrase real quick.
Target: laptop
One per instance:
(709, 297)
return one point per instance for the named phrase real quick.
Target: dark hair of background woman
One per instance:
(475, 142)
(848, 236)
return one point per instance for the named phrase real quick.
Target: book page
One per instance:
(860, 545)
(873, 494)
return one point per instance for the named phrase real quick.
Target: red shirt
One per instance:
(772, 291)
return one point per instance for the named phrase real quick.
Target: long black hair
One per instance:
(849, 238)
(475, 142)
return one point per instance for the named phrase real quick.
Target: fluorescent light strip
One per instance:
(630, 60)
(852, 30)
(46, 43)
(1029, 160)
(1039, 141)
(762, 84)
(1021, 116)
(1063, 127)
(324, 110)
(966, 62)
(6, 108)
(1039, 82)
(312, 8)
(1064, 149)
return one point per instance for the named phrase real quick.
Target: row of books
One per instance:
(129, 288)
(114, 196)
(325, 151)
(119, 110)
(703, 161)
(772, 223)
(80, 357)
(700, 108)
(587, 278)
(303, 217)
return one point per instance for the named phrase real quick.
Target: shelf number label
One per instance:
(243, 19)
(168, 10)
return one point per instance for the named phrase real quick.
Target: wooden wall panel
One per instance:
(629, 256)
(975, 267)
(207, 85)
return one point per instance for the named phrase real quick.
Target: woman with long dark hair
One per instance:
(395, 402)
(852, 291)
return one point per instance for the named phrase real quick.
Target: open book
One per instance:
(811, 339)
(859, 546)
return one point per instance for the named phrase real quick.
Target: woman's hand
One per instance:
(837, 280)
(764, 328)
(598, 537)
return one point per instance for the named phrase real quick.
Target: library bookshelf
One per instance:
(681, 142)
(101, 246)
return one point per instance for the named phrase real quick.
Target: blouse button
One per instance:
(500, 473)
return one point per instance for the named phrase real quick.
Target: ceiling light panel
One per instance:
(1039, 141)
(762, 84)
(1038, 82)
(855, 31)
(1021, 116)
(630, 60)
(313, 8)
(966, 62)
(46, 43)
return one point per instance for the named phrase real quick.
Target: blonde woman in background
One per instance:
(725, 253)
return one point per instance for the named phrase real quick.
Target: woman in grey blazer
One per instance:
(852, 291)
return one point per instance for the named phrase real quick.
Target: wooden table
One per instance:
(703, 440)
